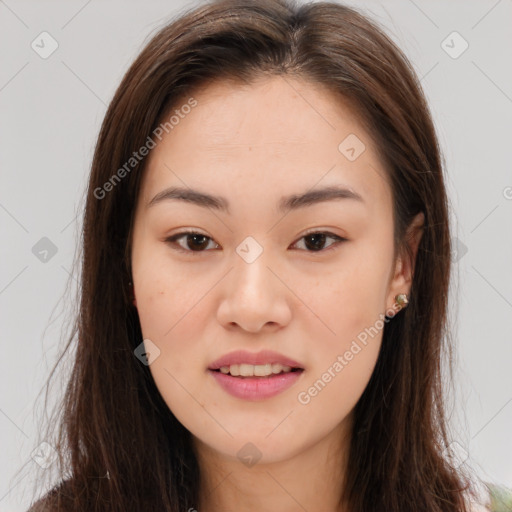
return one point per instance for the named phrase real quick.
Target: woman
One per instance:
(265, 277)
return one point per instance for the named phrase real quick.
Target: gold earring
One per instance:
(402, 299)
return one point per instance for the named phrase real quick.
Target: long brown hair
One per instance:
(112, 418)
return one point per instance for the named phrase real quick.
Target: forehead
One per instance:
(277, 133)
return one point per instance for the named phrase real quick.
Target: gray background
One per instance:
(51, 110)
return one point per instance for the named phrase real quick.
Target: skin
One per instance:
(253, 145)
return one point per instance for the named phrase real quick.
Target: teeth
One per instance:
(259, 370)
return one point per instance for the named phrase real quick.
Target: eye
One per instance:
(316, 240)
(195, 242)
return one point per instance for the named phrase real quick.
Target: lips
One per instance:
(262, 385)
(256, 388)
(254, 358)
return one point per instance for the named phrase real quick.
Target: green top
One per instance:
(501, 498)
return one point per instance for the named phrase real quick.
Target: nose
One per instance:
(254, 296)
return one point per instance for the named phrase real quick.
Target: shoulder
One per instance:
(492, 498)
(45, 504)
(54, 500)
(500, 498)
(478, 507)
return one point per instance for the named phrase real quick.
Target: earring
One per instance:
(132, 295)
(402, 300)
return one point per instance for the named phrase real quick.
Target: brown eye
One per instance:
(315, 241)
(194, 242)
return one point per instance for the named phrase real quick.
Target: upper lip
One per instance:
(254, 358)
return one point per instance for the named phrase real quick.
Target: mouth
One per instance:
(260, 371)
(255, 388)
(255, 376)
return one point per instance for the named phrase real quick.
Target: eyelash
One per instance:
(173, 240)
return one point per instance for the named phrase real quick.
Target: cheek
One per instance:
(165, 292)
(347, 301)
(330, 395)
(173, 314)
(172, 318)
(343, 360)
(352, 306)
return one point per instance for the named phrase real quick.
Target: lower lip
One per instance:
(256, 388)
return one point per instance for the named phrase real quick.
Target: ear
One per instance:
(401, 279)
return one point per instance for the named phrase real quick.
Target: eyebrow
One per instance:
(286, 204)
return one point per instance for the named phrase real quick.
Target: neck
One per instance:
(309, 480)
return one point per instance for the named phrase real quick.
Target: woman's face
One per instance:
(268, 271)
